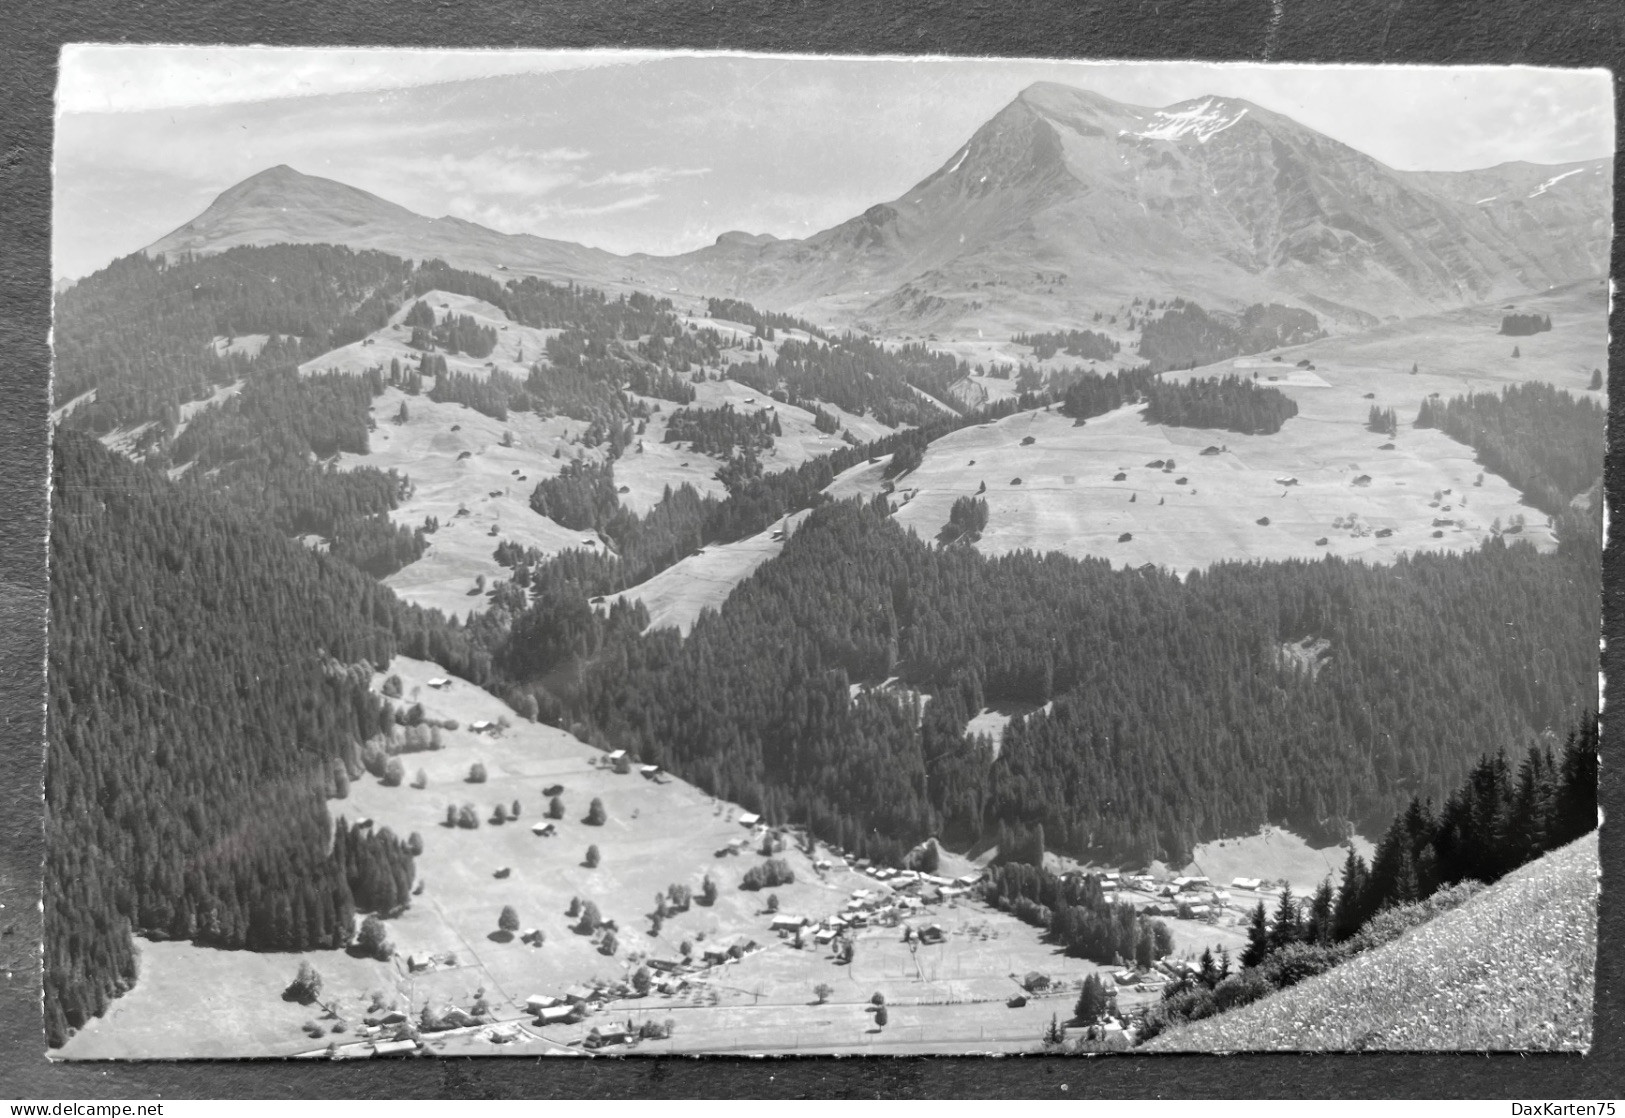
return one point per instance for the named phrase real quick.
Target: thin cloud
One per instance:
(550, 212)
(650, 176)
(538, 218)
(500, 171)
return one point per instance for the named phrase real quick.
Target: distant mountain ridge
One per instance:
(1064, 203)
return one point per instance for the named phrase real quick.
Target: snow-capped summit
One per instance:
(1199, 120)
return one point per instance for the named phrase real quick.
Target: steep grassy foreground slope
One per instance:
(1513, 968)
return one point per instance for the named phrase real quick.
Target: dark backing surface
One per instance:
(1576, 33)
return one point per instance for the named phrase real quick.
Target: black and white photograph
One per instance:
(646, 552)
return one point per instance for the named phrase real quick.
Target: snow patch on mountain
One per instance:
(958, 161)
(1549, 183)
(1204, 120)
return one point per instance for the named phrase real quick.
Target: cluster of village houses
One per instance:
(898, 895)
(1190, 897)
(906, 893)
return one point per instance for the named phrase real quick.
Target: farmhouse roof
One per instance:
(617, 754)
(749, 819)
(390, 1047)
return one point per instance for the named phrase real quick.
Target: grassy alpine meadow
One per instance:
(1513, 968)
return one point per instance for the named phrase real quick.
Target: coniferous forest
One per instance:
(1185, 335)
(207, 691)
(1540, 438)
(141, 332)
(1233, 403)
(1521, 325)
(1074, 343)
(1170, 701)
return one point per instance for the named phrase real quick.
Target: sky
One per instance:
(659, 152)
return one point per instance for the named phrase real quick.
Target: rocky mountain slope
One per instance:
(1063, 204)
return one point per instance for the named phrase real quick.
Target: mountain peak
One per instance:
(1047, 95)
(280, 203)
(280, 177)
(284, 178)
(1072, 106)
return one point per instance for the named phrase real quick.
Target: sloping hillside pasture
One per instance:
(992, 720)
(656, 835)
(219, 395)
(427, 450)
(1068, 501)
(1270, 855)
(1512, 968)
(739, 332)
(196, 1003)
(678, 595)
(246, 345)
(517, 346)
(192, 407)
(799, 432)
(62, 411)
(863, 480)
(648, 472)
(990, 351)
(1458, 351)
